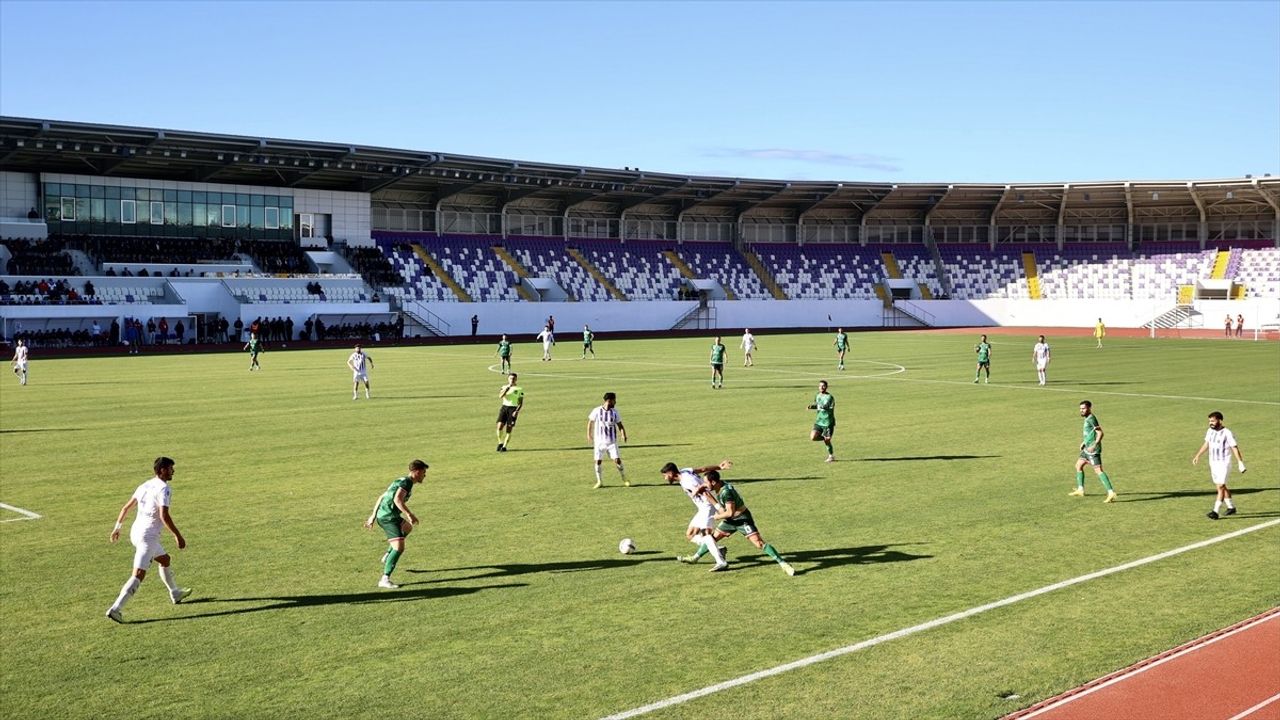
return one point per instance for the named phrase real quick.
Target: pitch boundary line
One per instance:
(938, 622)
(1132, 672)
(1256, 708)
(27, 514)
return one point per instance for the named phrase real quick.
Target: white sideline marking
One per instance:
(1144, 668)
(27, 514)
(1090, 391)
(838, 652)
(1256, 708)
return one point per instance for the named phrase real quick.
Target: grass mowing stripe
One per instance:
(838, 652)
(1046, 388)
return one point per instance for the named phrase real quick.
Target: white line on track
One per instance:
(1144, 668)
(964, 614)
(1256, 708)
(27, 514)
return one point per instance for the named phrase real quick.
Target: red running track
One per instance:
(1232, 674)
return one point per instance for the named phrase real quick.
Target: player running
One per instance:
(734, 517)
(603, 426)
(1221, 445)
(717, 363)
(983, 348)
(392, 513)
(254, 346)
(700, 526)
(824, 425)
(152, 500)
(504, 354)
(842, 346)
(512, 400)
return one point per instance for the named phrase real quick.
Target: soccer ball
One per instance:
(626, 547)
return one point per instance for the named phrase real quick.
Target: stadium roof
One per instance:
(32, 145)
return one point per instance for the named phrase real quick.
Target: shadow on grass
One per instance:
(739, 481)
(424, 397)
(39, 430)
(927, 457)
(809, 561)
(588, 447)
(1175, 494)
(509, 569)
(293, 602)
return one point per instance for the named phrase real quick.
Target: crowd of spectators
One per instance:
(39, 257)
(47, 292)
(272, 256)
(375, 332)
(373, 266)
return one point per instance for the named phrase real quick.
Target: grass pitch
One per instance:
(515, 601)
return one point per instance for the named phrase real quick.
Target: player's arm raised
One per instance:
(115, 533)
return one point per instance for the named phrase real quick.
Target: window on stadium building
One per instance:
(98, 209)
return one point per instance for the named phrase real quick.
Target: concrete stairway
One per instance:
(440, 272)
(763, 273)
(595, 273)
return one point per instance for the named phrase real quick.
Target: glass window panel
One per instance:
(286, 220)
(242, 198)
(170, 196)
(286, 201)
(143, 193)
(228, 216)
(97, 191)
(82, 191)
(171, 213)
(199, 214)
(52, 189)
(272, 200)
(213, 215)
(256, 217)
(113, 212)
(258, 200)
(157, 212)
(144, 212)
(127, 193)
(82, 209)
(113, 192)
(242, 216)
(97, 209)
(52, 209)
(184, 214)
(68, 209)
(184, 196)
(272, 218)
(199, 196)
(128, 212)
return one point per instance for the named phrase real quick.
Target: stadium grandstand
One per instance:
(106, 224)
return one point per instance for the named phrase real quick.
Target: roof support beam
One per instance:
(1275, 207)
(804, 210)
(928, 214)
(1128, 204)
(1203, 227)
(995, 215)
(862, 221)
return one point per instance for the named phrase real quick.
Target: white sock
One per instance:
(1230, 504)
(710, 544)
(621, 472)
(166, 576)
(598, 478)
(126, 592)
(1217, 505)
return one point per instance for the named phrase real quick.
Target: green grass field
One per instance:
(515, 601)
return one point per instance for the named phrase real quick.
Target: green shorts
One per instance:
(825, 432)
(393, 527)
(743, 523)
(1094, 460)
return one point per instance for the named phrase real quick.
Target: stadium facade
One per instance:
(440, 237)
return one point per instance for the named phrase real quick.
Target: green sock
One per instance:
(506, 440)
(393, 556)
(768, 550)
(830, 450)
(1079, 478)
(1106, 481)
(702, 550)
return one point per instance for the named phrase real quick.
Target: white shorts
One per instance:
(749, 348)
(611, 449)
(1042, 364)
(1219, 472)
(358, 376)
(702, 519)
(147, 547)
(21, 365)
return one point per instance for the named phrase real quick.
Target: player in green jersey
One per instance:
(824, 425)
(587, 338)
(393, 515)
(504, 353)
(983, 348)
(842, 345)
(1091, 453)
(512, 400)
(717, 363)
(254, 346)
(734, 517)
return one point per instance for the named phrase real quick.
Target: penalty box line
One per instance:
(26, 514)
(938, 622)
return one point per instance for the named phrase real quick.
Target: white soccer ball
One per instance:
(626, 547)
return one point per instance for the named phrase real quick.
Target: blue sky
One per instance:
(908, 92)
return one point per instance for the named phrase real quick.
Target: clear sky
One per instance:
(908, 92)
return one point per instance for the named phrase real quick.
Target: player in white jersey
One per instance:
(548, 339)
(359, 363)
(748, 346)
(1221, 444)
(604, 424)
(1040, 356)
(152, 500)
(20, 361)
(700, 526)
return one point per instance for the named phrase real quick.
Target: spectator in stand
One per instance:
(111, 272)
(95, 333)
(163, 338)
(115, 332)
(306, 330)
(179, 330)
(319, 329)
(143, 273)
(126, 273)
(288, 328)
(88, 288)
(32, 214)
(239, 326)
(475, 324)
(151, 330)
(4, 287)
